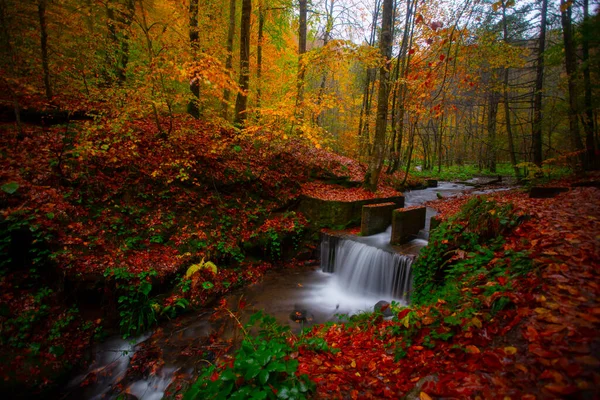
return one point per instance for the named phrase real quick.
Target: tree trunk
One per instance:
(229, 60)
(242, 98)
(385, 48)
(44, 47)
(193, 108)
(588, 116)
(509, 133)
(301, 51)
(365, 111)
(571, 68)
(404, 61)
(539, 86)
(491, 127)
(259, 49)
(118, 24)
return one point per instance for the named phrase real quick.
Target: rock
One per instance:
(414, 394)
(383, 307)
(300, 315)
(126, 396)
(432, 183)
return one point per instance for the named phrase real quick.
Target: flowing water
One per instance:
(356, 273)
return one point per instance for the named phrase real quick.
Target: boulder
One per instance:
(383, 307)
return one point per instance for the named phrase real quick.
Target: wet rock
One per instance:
(299, 316)
(384, 307)
(414, 394)
(127, 396)
(432, 183)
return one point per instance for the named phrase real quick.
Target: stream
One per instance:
(318, 296)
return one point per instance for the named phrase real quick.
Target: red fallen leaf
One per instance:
(491, 361)
(588, 360)
(552, 374)
(442, 57)
(501, 280)
(558, 388)
(538, 351)
(403, 313)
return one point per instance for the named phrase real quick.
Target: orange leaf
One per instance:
(472, 349)
(424, 396)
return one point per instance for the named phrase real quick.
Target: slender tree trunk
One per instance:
(301, 51)
(404, 61)
(44, 46)
(571, 68)
(365, 111)
(193, 108)
(259, 50)
(385, 48)
(118, 24)
(241, 102)
(491, 128)
(588, 116)
(411, 145)
(440, 143)
(229, 60)
(509, 132)
(539, 86)
(326, 37)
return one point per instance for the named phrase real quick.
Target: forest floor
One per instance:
(102, 222)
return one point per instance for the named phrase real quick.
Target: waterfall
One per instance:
(366, 270)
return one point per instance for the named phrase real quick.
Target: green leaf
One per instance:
(259, 395)
(57, 350)
(10, 187)
(263, 377)
(292, 366)
(50, 215)
(284, 393)
(228, 375)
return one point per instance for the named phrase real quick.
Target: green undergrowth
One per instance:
(528, 172)
(264, 367)
(462, 247)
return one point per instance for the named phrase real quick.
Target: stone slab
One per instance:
(339, 214)
(376, 218)
(406, 224)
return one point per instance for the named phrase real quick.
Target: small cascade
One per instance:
(366, 270)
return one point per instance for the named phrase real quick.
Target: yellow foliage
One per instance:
(202, 265)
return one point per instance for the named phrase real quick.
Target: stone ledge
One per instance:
(340, 214)
(406, 223)
(376, 218)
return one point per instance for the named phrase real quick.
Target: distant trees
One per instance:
(488, 82)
